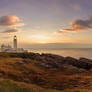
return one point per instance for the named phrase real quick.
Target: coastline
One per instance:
(73, 52)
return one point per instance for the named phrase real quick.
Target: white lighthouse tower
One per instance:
(15, 42)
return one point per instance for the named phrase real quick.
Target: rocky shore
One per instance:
(56, 61)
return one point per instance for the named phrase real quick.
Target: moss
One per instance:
(11, 86)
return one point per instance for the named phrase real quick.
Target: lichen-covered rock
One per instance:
(56, 61)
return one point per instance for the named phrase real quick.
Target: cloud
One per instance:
(78, 25)
(82, 24)
(11, 31)
(10, 21)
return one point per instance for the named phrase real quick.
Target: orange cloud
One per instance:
(11, 31)
(78, 25)
(10, 21)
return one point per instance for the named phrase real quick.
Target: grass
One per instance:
(12, 86)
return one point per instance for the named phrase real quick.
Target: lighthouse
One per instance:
(15, 42)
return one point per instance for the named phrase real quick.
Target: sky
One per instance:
(46, 22)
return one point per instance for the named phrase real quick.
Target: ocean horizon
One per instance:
(73, 52)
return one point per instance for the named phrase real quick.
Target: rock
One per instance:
(85, 63)
(71, 61)
(27, 61)
(81, 63)
(50, 61)
(26, 80)
(19, 63)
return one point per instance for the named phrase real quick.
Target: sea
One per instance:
(73, 52)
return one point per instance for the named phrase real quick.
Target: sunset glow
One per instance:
(40, 39)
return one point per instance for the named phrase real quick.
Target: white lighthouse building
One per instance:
(8, 48)
(15, 43)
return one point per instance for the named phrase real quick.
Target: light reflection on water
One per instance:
(87, 53)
